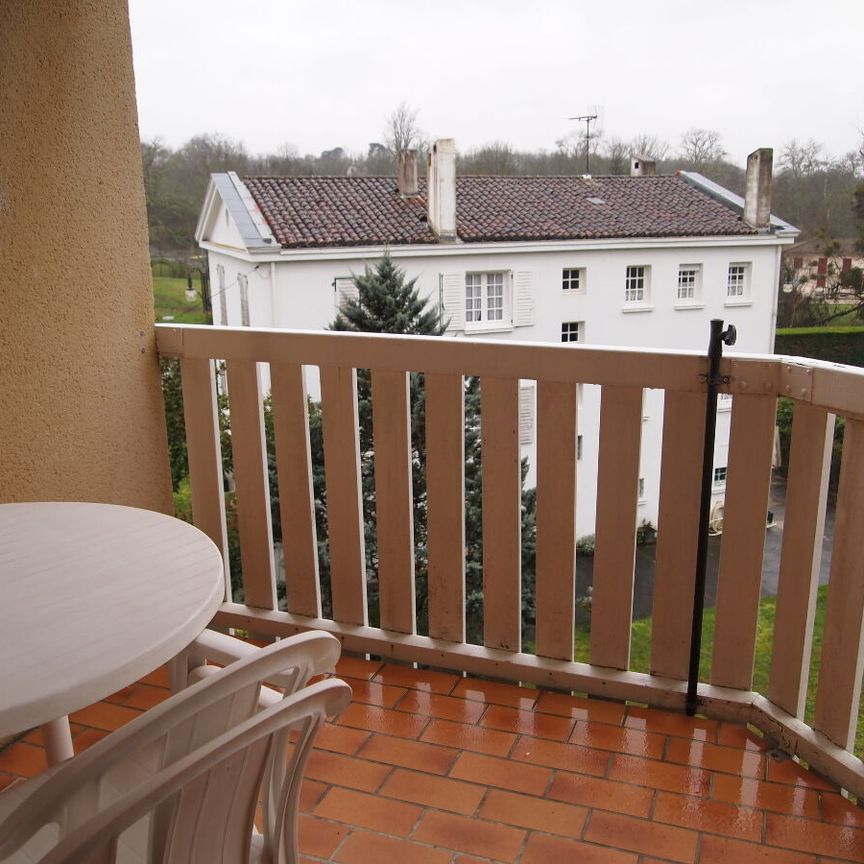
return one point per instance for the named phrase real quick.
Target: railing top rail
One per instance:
(833, 386)
(435, 354)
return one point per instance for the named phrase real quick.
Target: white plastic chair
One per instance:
(316, 653)
(184, 778)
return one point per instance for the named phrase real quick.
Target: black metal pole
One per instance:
(719, 336)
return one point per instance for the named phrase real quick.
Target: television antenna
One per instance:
(587, 119)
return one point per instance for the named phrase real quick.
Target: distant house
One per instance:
(641, 261)
(816, 266)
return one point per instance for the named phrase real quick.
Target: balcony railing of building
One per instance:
(820, 393)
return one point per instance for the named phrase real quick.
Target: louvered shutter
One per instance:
(244, 299)
(523, 298)
(345, 290)
(526, 413)
(453, 300)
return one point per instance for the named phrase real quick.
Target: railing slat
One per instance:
(502, 513)
(751, 443)
(556, 518)
(839, 688)
(204, 453)
(391, 425)
(344, 502)
(252, 483)
(677, 532)
(296, 497)
(615, 528)
(801, 556)
(445, 497)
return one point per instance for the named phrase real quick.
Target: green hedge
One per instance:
(835, 344)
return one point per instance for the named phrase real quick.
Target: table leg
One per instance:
(58, 740)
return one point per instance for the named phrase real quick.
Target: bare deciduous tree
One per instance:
(573, 143)
(618, 154)
(496, 157)
(402, 132)
(701, 146)
(802, 158)
(649, 147)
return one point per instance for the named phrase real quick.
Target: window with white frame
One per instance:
(641, 489)
(737, 281)
(636, 284)
(243, 282)
(485, 298)
(572, 331)
(689, 282)
(573, 279)
(720, 477)
(578, 446)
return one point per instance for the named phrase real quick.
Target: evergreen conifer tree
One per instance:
(388, 303)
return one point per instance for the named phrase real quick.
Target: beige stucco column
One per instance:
(81, 414)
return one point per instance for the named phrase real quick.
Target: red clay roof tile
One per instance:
(310, 212)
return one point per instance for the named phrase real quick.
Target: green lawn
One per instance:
(640, 651)
(169, 298)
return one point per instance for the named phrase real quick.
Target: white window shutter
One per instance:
(345, 290)
(453, 300)
(244, 299)
(523, 298)
(526, 413)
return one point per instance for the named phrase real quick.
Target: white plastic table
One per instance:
(92, 598)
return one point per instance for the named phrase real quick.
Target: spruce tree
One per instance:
(388, 303)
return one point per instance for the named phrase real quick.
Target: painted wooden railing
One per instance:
(820, 391)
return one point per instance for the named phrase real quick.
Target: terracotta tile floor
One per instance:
(430, 767)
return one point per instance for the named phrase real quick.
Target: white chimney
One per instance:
(408, 173)
(757, 188)
(640, 167)
(441, 182)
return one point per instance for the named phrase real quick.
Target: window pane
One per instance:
(570, 331)
(472, 297)
(634, 286)
(570, 279)
(686, 283)
(735, 281)
(495, 297)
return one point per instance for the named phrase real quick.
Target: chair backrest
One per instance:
(157, 740)
(316, 653)
(212, 791)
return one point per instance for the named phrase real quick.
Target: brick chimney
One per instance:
(408, 173)
(757, 188)
(441, 180)
(640, 167)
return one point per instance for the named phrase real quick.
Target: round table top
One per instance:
(94, 597)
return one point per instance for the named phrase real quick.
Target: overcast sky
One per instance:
(324, 74)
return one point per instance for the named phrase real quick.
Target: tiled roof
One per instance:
(309, 212)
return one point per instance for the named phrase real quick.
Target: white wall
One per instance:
(297, 293)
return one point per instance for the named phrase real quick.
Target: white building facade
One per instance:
(639, 291)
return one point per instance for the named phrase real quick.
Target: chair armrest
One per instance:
(313, 653)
